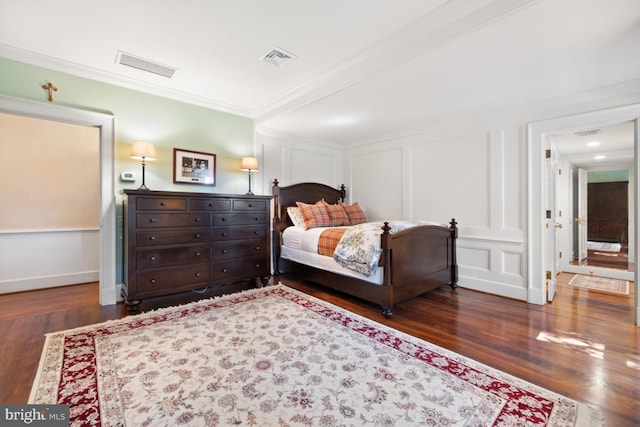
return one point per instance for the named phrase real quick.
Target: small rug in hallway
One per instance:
(278, 357)
(600, 284)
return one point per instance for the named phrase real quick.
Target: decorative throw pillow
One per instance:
(296, 216)
(337, 214)
(355, 213)
(315, 215)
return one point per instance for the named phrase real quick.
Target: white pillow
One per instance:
(296, 216)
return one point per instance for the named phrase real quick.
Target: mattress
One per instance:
(301, 246)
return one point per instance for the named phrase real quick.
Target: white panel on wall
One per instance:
(312, 166)
(273, 168)
(291, 160)
(376, 183)
(75, 261)
(513, 181)
(476, 258)
(512, 263)
(451, 180)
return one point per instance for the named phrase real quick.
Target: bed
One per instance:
(412, 261)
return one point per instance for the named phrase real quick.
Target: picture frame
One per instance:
(194, 167)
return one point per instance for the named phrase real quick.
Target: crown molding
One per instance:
(55, 64)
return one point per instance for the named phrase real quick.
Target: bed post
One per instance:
(343, 193)
(275, 230)
(385, 243)
(454, 261)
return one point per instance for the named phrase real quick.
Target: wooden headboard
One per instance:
(306, 192)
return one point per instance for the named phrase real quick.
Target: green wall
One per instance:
(166, 123)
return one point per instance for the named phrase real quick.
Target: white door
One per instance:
(551, 220)
(581, 218)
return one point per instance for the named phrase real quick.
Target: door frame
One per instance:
(537, 134)
(105, 123)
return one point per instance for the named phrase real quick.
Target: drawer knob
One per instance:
(197, 219)
(224, 218)
(224, 270)
(256, 232)
(257, 219)
(197, 253)
(152, 220)
(152, 237)
(224, 234)
(250, 205)
(152, 258)
(257, 248)
(152, 281)
(210, 204)
(197, 274)
(162, 204)
(257, 265)
(197, 236)
(224, 251)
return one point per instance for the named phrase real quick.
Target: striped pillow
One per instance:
(355, 213)
(315, 215)
(337, 214)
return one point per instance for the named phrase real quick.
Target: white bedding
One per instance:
(300, 245)
(359, 261)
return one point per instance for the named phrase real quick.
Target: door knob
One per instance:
(558, 225)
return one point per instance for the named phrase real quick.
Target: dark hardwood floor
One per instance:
(584, 345)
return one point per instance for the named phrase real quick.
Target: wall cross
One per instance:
(51, 88)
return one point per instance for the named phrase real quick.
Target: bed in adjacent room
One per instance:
(315, 236)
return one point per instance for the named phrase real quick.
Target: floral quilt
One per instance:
(359, 248)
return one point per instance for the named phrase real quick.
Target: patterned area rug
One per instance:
(600, 284)
(277, 357)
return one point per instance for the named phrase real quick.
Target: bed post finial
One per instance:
(343, 193)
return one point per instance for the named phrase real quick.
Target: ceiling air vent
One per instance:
(278, 57)
(144, 64)
(587, 132)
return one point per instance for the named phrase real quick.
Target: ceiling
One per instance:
(600, 148)
(364, 70)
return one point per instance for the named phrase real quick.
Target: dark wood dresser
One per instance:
(176, 242)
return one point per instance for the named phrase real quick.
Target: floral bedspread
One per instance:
(359, 248)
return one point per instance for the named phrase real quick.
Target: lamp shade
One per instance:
(143, 151)
(249, 163)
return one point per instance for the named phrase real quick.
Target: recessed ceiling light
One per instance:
(600, 157)
(593, 144)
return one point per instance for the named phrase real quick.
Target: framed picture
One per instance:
(194, 167)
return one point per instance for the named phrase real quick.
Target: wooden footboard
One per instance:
(414, 261)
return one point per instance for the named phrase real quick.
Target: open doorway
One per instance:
(539, 227)
(595, 182)
(105, 123)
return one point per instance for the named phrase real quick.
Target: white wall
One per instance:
(472, 175)
(39, 259)
(475, 171)
(291, 159)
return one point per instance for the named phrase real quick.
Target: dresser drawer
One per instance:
(239, 269)
(161, 204)
(237, 249)
(171, 278)
(238, 219)
(249, 205)
(235, 233)
(210, 204)
(163, 257)
(163, 237)
(153, 220)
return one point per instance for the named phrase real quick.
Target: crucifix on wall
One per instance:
(51, 88)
